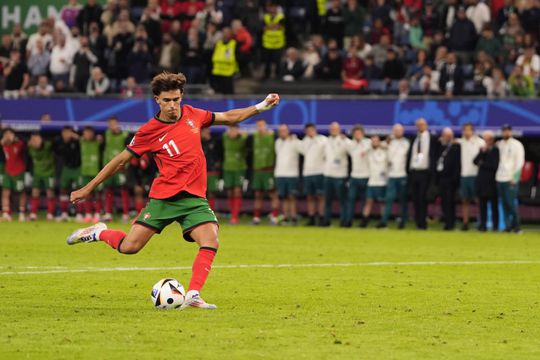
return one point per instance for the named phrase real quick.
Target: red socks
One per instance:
(257, 213)
(88, 207)
(50, 206)
(201, 267)
(124, 195)
(112, 237)
(64, 203)
(275, 212)
(139, 205)
(109, 201)
(212, 203)
(34, 205)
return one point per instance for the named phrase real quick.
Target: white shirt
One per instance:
(397, 157)
(61, 59)
(531, 66)
(420, 160)
(378, 167)
(469, 149)
(358, 150)
(287, 157)
(479, 14)
(31, 45)
(511, 160)
(336, 164)
(313, 149)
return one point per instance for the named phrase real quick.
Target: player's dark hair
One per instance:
(113, 118)
(468, 124)
(167, 81)
(90, 128)
(8, 129)
(67, 127)
(358, 127)
(309, 125)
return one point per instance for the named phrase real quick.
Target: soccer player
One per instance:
(313, 148)
(213, 153)
(378, 177)
(141, 172)
(358, 149)
(336, 169)
(178, 193)
(115, 143)
(15, 154)
(90, 165)
(470, 147)
(234, 168)
(511, 160)
(263, 167)
(68, 150)
(41, 152)
(287, 172)
(398, 149)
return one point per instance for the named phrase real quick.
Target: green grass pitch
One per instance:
(381, 295)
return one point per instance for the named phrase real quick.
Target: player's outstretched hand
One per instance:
(79, 195)
(269, 102)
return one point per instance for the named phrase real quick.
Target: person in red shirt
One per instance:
(15, 155)
(245, 43)
(178, 193)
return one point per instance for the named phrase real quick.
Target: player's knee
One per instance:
(129, 248)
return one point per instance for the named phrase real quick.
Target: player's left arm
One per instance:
(236, 116)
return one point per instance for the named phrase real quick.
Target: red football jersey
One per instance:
(15, 162)
(177, 151)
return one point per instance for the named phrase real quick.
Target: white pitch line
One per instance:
(272, 266)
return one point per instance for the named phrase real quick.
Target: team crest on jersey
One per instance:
(147, 216)
(194, 129)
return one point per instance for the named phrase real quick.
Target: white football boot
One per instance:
(193, 299)
(86, 235)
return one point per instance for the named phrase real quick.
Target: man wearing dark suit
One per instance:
(448, 169)
(487, 161)
(421, 165)
(451, 80)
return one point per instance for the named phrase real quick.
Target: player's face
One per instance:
(397, 131)
(169, 104)
(36, 140)
(375, 141)
(88, 135)
(507, 134)
(114, 126)
(358, 134)
(421, 126)
(311, 131)
(261, 126)
(467, 131)
(66, 135)
(335, 130)
(9, 136)
(283, 131)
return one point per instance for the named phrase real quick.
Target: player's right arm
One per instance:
(116, 164)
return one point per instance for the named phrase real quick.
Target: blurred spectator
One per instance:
(520, 84)
(400, 19)
(139, 61)
(38, 63)
(378, 31)
(189, 10)
(121, 45)
(393, 68)
(403, 89)
(510, 34)
(380, 50)
(462, 38)
(42, 34)
(205, 13)
(362, 47)
(353, 19)
(430, 20)
(311, 59)
(440, 58)
(61, 87)
(17, 77)
(352, 72)
(478, 12)
(495, 84)
(61, 57)
(489, 43)
(98, 44)
(504, 13)
(330, 66)
(451, 80)
(170, 11)
(169, 56)
(371, 70)
(213, 35)
(19, 38)
(43, 87)
(292, 68)
(224, 64)
(152, 22)
(273, 39)
(83, 60)
(121, 25)
(530, 62)
(449, 15)
(334, 25)
(192, 57)
(429, 82)
(98, 84)
(91, 12)
(416, 35)
(416, 69)
(381, 11)
(130, 89)
(435, 43)
(70, 12)
(530, 17)
(180, 36)
(245, 43)
(5, 49)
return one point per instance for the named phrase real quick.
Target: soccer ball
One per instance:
(168, 294)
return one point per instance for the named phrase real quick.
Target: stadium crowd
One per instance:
(446, 47)
(349, 170)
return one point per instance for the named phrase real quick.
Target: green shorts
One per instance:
(2, 173)
(287, 186)
(43, 182)
(376, 193)
(314, 185)
(233, 179)
(212, 183)
(70, 178)
(188, 210)
(263, 180)
(117, 180)
(467, 187)
(15, 183)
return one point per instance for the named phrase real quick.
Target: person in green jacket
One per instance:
(234, 168)
(90, 166)
(42, 155)
(520, 85)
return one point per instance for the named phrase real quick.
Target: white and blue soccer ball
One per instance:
(168, 294)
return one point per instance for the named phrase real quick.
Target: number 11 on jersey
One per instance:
(169, 145)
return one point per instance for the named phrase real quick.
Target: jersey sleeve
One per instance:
(140, 143)
(205, 117)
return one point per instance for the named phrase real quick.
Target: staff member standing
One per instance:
(224, 64)
(358, 149)
(512, 158)
(487, 161)
(378, 177)
(273, 39)
(448, 170)
(470, 147)
(421, 167)
(336, 169)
